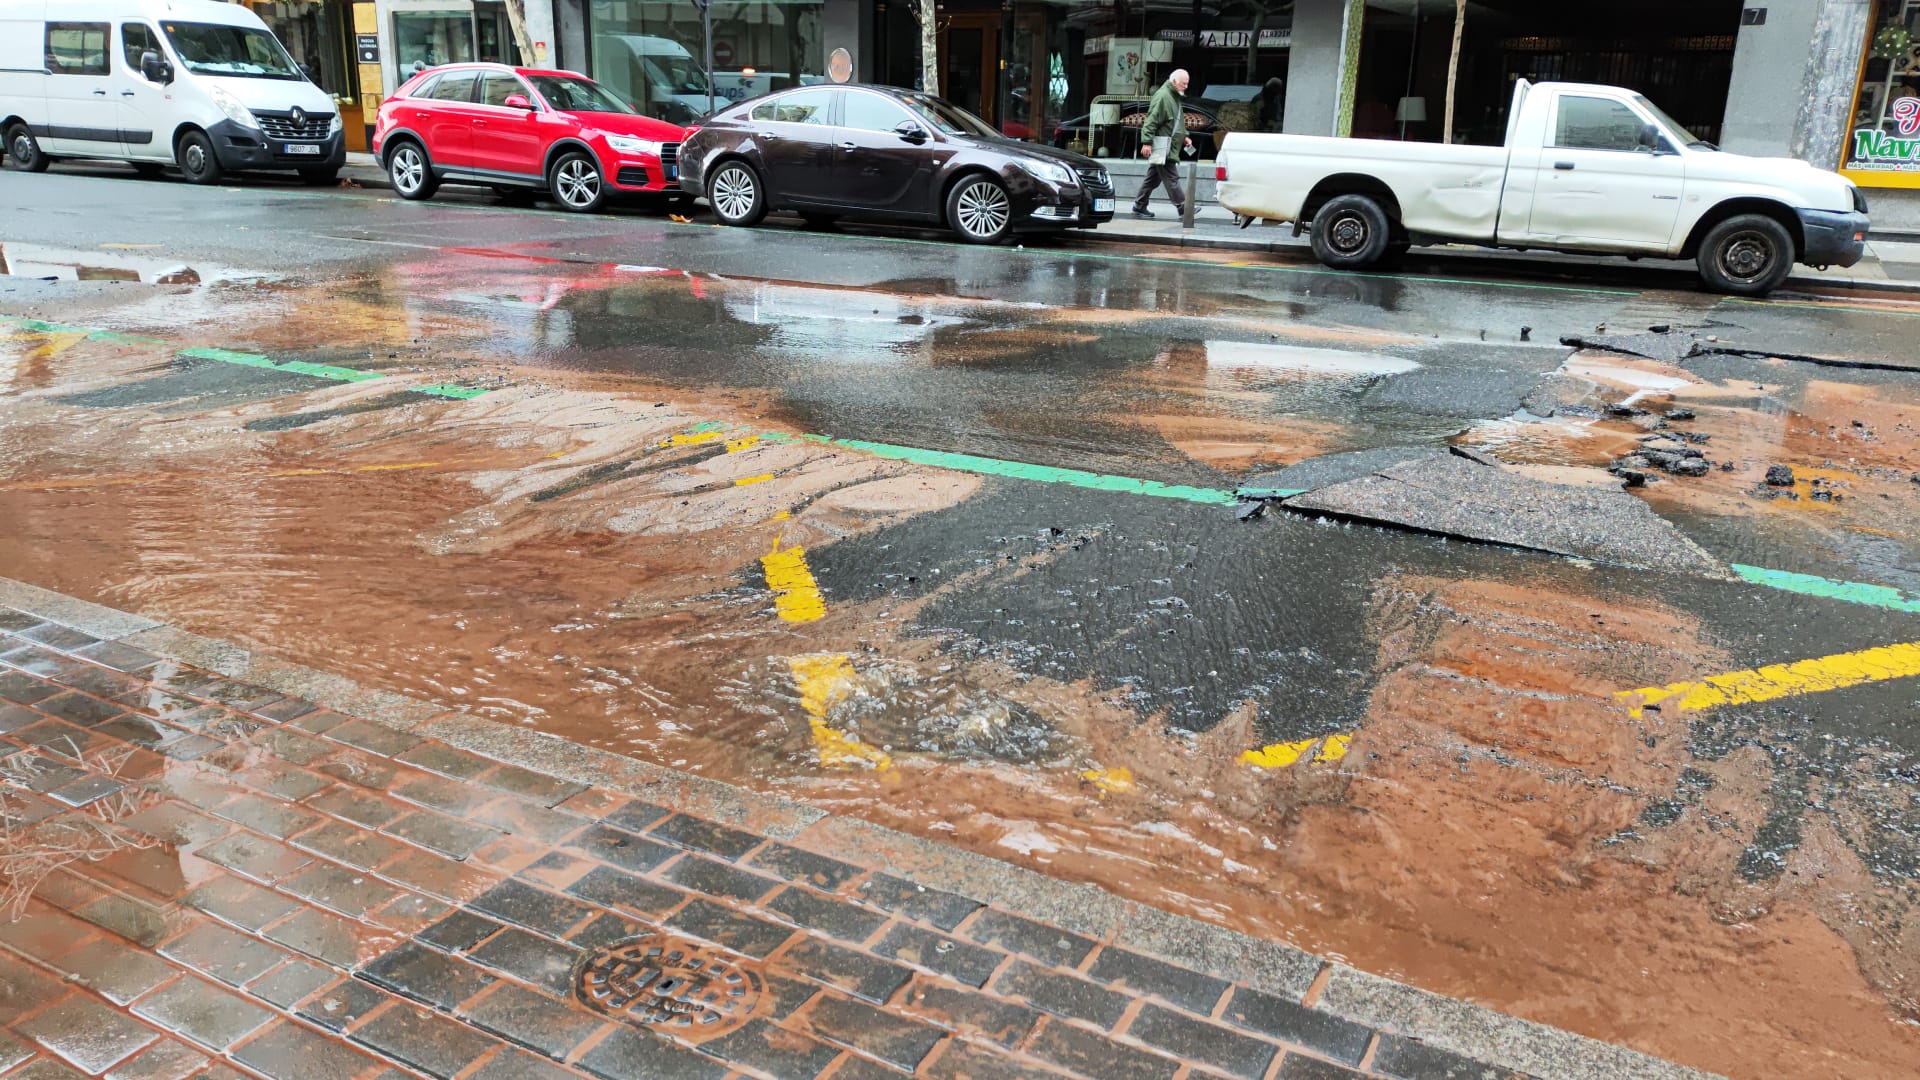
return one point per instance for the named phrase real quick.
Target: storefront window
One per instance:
(652, 53)
(316, 34)
(1883, 146)
(424, 39)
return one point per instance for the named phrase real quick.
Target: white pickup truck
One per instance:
(1591, 169)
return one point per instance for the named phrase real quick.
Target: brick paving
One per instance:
(211, 879)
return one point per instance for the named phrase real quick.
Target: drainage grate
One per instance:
(659, 980)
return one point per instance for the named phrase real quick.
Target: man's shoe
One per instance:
(1139, 213)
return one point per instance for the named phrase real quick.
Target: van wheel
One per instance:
(736, 194)
(410, 173)
(1747, 255)
(576, 182)
(24, 150)
(195, 157)
(1351, 232)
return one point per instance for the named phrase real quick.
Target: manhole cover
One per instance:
(663, 981)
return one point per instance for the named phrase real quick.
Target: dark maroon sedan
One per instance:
(827, 152)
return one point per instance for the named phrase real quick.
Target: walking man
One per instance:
(1165, 128)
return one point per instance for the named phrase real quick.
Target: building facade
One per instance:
(1834, 82)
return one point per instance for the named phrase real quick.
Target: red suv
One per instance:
(523, 129)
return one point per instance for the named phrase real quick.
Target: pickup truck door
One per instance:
(1595, 185)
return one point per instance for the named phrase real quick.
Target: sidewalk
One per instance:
(228, 866)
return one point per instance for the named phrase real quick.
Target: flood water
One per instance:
(1060, 676)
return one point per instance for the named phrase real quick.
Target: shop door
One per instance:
(493, 34)
(1023, 85)
(970, 63)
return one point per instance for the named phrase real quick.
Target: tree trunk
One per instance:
(517, 19)
(930, 47)
(1453, 66)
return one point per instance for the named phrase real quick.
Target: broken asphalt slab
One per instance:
(1452, 496)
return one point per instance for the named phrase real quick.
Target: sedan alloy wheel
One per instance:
(736, 195)
(980, 210)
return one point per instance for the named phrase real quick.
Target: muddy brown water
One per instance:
(1483, 836)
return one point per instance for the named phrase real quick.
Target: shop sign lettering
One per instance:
(1879, 150)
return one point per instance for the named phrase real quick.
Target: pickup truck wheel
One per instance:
(1351, 232)
(1748, 255)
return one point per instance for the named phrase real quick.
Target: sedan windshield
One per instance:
(577, 95)
(948, 118)
(212, 49)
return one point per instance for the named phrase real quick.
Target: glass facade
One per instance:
(1883, 141)
(1078, 73)
(315, 34)
(424, 39)
(653, 53)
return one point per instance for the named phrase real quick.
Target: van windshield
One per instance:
(243, 52)
(677, 74)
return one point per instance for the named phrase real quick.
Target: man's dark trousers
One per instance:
(1167, 175)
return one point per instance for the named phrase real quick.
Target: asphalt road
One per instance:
(1015, 626)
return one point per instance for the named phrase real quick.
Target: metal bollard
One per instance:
(1193, 193)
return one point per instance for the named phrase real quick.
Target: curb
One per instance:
(1452, 1024)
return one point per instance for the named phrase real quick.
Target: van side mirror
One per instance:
(518, 101)
(911, 132)
(155, 69)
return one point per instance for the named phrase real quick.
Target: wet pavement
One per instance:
(945, 540)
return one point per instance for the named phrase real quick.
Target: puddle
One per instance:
(1303, 360)
(30, 260)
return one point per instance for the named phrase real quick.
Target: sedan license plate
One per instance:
(1103, 206)
(300, 148)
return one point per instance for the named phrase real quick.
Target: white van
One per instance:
(658, 75)
(196, 83)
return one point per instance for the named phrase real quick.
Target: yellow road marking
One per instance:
(748, 481)
(1281, 755)
(744, 442)
(1118, 779)
(1776, 681)
(824, 680)
(52, 344)
(695, 439)
(795, 594)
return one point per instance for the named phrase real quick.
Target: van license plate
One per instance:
(1103, 206)
(301, 148)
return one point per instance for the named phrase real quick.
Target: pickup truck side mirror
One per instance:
(155, 69)
(1650, 137)
(911, 132)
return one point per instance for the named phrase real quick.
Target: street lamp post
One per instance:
(706, 37)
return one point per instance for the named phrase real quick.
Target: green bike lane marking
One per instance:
(331, 372)
(1853, 592)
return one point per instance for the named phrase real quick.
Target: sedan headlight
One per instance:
(235, 111)
(1051, 171)
(628, 145)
